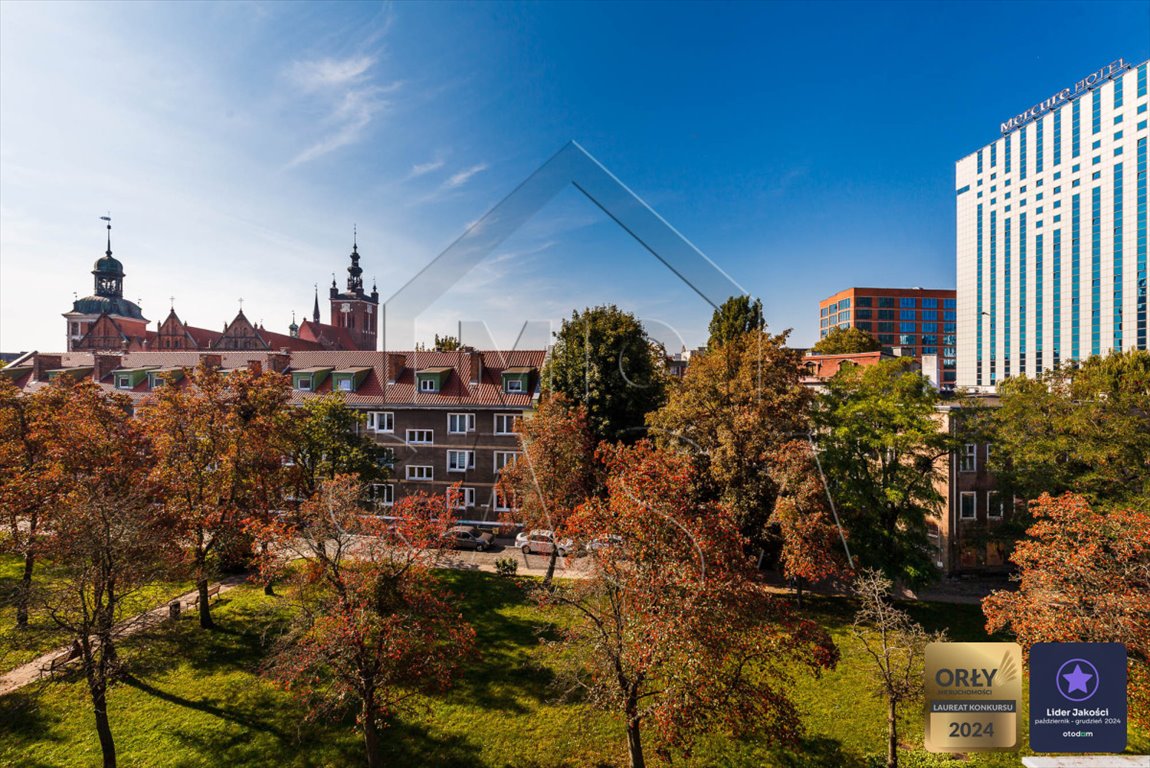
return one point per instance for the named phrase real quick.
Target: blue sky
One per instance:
(803, 147)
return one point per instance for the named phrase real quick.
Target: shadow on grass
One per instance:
(23, 725)
(253, 716)
(817, 752)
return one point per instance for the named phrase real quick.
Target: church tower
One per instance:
(106, 320)
(353, 310)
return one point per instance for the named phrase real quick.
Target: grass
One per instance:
(195, 698)
(19, 646)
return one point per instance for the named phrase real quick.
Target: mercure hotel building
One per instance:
(1051, 232)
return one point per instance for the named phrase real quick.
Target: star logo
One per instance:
(1077, 680)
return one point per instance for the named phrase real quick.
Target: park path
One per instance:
(33, 670)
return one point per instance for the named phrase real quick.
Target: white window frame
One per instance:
(383, 493)
(503, 418)
(514, 385)
(374, 418)
(123, 381)
(428, 384)
(496, 498)
(419, 472)
(468, 460)
(344, 385)
(974, 505)
(968, 458)
(466, 495)
(990, 507)
(468, 423)
(304, 384)
(429, 432)
(504, 454)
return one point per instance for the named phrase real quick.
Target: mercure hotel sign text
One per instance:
(1091, 81)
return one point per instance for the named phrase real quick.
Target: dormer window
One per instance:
(309, 379)
(431, 380)
(517, 380)
(123, 382)
(428, 385)
(514, 385)
(304, 383)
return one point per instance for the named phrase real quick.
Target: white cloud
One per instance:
(461, 178)
(422, 169)
(323, 74)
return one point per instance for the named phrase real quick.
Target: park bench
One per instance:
(58, 661)
(212, 592)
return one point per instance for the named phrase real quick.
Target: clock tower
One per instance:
(353, 310)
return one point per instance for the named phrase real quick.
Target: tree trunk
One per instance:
(96, 668)
(799, 590)
(551, 566)
(205, 611)
(635, 744)
(269, 588)
(25, 590)
(371, 740)
(892, 735)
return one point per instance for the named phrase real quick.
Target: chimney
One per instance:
(279, 361)
(212, 361)
(41, 364)
(396, 361)
(102, 365)
(475, 360)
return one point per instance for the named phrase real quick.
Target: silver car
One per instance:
(540, 542)
(467, 537)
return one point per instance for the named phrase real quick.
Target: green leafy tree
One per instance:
(1085, 430)
(737, 316)
(880, 444)
(846, 341)
(446, 343)
(603, 360)
(326, 440)
(733, 409)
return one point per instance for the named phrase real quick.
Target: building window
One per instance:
(303, 383)
(906, 302)
(886, 301)
(505, 423)
(428, 385)
(513, 385)
(420, 472)
(967, 505)
(383, 494)
(460, 423)
(461, 498)
(343, 384)
(504, 458)
(460, 461)
(968, 459)
(380, 421)
(503, 502)
(994, 505)
(123, 382)
(420, 436)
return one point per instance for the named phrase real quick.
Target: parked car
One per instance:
(467, 537)
(540, 542)
(603, 542)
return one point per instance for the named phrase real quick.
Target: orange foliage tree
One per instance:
(1084, 576)
(671, 630)
(374, 627)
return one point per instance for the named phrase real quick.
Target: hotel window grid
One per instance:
(1006, 153)
(993, 156)
(1022, 293)
(1038, 267)
(968, 459)
(1022, 153)
(420, 436)
(1096, 112)
(1057, 304)
(1140, 240)
(1096, 270)
(1057, 160)
(1117, 327)
(1075, 275)
(980, 161)
(1039, 129)
(504, 423)
(460, 423)
(420, 472)
(1006, 308)
(978, 301)
(993, 295)
(1075, 129)
(967, 505)
(380, 421)
(1142, 81)
(460, 461)
(1117, 92)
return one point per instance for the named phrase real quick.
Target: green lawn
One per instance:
(19, 646)
(195, 698)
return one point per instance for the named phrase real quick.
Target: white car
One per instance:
(540, 542)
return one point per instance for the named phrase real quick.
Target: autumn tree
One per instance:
(1083, 576)
(813, 546)
(879, 442)
(733, 409)
(374, 627)
(218, 458)
(446, 343)
(109, 537)
(896, 645)
(846, 341)
(603, 360)
(669, 630)
(736, 317)
(1082, 429)
(555, 472)
(29, 480)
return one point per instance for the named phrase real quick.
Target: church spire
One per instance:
(315, 312)
(354, 272)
